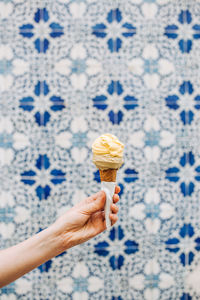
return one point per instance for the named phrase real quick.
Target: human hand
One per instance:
(86, 219)
(77, 225)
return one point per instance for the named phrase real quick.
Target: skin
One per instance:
(79, 224)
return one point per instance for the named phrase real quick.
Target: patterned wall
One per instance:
(71, 70)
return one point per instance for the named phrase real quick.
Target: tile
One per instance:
(70, 71)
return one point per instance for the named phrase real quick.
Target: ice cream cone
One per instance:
(108, 158)
(108, 175)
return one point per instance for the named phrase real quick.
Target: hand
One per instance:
(86, 219)
(77, 225)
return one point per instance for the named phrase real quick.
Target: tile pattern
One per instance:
(71, 70)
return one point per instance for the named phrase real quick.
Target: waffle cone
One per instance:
(108, 175)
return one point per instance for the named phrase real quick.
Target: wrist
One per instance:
(60, 236)
(53, 240)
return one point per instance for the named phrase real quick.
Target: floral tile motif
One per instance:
(188, 174)
(181, 103)
(185, 244)
(185, 31)
(114, 30)
(71, 70)
(42, 114)
(42, 178)
(112, 98)
(41, 30)
(116, 243)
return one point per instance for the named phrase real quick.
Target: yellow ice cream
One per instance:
(107, 152)
(108, 144)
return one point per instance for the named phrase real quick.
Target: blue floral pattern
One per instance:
(114, 20)
(69, 72)
(45, 174)
(124, 247)
(186, 296)
(115, 95)
(187, 174)
(41, 90)
(41, 18)
(185, 250)
(183, 102)
(185, 21)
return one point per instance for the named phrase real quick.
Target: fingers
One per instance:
(94, 203)
(113, 218)
(115, 198)
(114, 208)
(100, 194)
(99, 201)
(113, 215)
(117, 189)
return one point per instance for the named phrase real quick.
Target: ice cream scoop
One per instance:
(108, 144)
(107, 155)
(108, 158)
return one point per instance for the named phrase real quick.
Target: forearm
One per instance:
(24, 257)
(82, 222)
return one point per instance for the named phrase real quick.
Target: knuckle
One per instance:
(102, 195)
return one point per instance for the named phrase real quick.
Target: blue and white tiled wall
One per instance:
(70, 71)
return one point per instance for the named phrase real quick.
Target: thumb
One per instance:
(95, 203)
